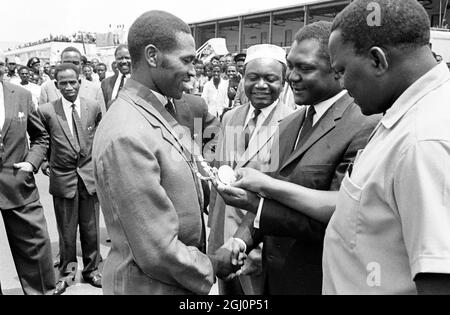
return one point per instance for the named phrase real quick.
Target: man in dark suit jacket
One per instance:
(22, 212)
(316, 146)
(71, 122)
(111, 86)
(88, 90)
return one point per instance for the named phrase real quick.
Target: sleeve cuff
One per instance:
(257, 222)
(431, 264)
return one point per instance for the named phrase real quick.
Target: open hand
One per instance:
(238, 197)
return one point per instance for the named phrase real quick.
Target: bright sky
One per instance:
(32, 20)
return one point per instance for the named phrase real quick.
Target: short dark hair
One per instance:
(66, 66)
(209, 67)
(319, 31)
(198, 62)
(101, 64)
(84, 60)
(155, 27)
(119, 48)
(70, 49)
(404, 24)
(22, 68)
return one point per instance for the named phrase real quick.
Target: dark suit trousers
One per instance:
(29, 241)
(82, 211)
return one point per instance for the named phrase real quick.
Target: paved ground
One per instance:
(8, 275)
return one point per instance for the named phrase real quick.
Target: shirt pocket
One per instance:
(346, 220)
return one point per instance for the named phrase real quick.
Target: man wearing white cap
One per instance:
(247, 137)
(317, 144)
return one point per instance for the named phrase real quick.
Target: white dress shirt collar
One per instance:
(265, 112)
(322, 107)
(117, 85)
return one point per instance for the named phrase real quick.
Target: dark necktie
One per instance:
(307, 126)
(248, 132)
(78, 132)
(170, 108)
(122, 81)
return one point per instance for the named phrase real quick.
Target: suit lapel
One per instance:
(111, 84)
(10, 109)
(63, 121)
(143, 97)
(323, 127)
(289, 133)
(148, 102)
(237, 153)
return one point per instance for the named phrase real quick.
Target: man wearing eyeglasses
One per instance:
(88, 90)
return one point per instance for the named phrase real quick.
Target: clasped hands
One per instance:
(229, 259)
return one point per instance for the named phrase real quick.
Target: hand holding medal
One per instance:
(223, 176)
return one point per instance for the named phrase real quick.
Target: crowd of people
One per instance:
(79, 37)
(323, 171)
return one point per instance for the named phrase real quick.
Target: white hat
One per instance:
(266, 51)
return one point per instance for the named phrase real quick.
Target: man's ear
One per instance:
(379, 60)
(151, 55)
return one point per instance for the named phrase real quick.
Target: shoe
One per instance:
(95, 281)
(61, 287)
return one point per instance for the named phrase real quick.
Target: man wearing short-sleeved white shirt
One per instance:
(390, 233)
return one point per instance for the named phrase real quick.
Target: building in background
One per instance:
(278, 26)
(49, 51)
(91, 45)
